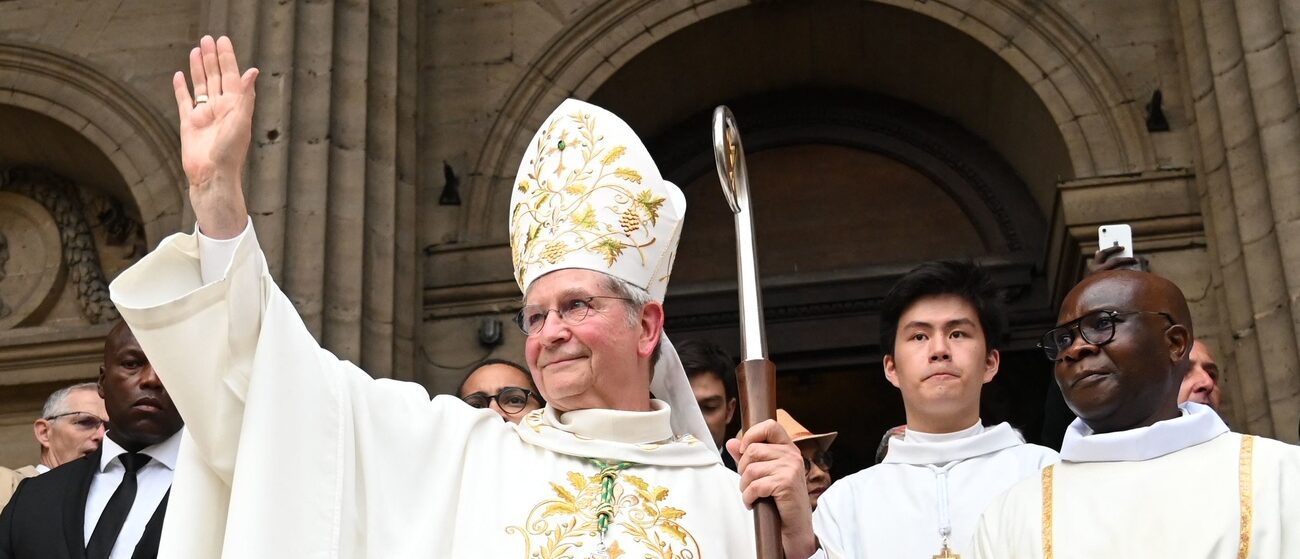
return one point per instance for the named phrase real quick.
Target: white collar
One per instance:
(632, 427)
(1197, 424)
(923, 437)
(42, 468)
(164, 452)
(941, 449)
(640, 437)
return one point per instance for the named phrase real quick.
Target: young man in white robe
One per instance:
(940, 325)
(380, 470)
(1142, 475)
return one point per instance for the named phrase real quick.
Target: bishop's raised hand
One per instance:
(216, 127)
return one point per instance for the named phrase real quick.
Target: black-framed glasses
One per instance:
(822, 458)
(510, 399)
(85, 421)
(1096, 328)
(532, 318)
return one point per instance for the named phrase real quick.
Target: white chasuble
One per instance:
(928, 487)
(1181, 488)
(294, 453)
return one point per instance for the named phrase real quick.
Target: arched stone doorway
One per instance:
(1095, 125)
(1010, 86)
(852, 186)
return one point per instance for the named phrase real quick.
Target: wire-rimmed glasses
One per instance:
(83, 420)
(532, 318)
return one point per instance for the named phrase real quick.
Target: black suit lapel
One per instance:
(148, 546)
(74, 507)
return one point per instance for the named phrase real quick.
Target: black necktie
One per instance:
(119, 505)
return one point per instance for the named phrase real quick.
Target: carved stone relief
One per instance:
(69, 230)
(29, 258)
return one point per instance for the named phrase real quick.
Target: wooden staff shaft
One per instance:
(757, 384)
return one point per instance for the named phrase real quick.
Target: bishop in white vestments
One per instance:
(1140, 475)
(941, 321)
(295, 453)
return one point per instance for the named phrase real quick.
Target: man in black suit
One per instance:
(109, 504)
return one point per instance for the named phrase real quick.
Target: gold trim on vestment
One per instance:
(1246, 490)
(1047, 512)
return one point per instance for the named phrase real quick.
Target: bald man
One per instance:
(1121, 490)
(1201, 384)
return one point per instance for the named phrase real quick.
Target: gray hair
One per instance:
(637, 298)
(57, 403)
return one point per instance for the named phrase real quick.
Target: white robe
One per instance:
(294, 453)
(895, 510)
(1173, 489)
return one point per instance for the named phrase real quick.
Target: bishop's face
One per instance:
(601, 361)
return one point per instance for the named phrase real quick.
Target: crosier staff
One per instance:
(756, 374)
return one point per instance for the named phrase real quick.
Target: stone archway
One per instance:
(1098, 122)
(143, 148)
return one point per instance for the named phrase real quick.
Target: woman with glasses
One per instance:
(502, 385)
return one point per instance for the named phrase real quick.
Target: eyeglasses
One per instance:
(85, 421)
(510, 399)
(532, 318)
(822, 458)
(1096, 328)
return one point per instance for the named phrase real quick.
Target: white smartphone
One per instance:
(1117, 234)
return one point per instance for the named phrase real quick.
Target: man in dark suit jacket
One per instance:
(110, 504)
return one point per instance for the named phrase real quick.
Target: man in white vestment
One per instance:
(381, 471)
(1142, 475)
(940, 325)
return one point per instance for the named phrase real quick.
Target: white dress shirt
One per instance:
(152, 482)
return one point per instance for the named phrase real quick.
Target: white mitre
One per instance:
(588, 195)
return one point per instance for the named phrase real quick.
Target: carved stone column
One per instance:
(1242, 85)
(331, 178)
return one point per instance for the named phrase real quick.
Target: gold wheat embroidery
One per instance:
(558, 527)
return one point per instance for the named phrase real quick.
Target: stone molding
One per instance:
(143, 148)
(1100, 123)
(50, 354)
(1159, 205)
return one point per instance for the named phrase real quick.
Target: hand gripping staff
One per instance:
(756, 374)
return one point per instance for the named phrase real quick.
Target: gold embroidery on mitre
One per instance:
(557, 528)
(577, 198)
